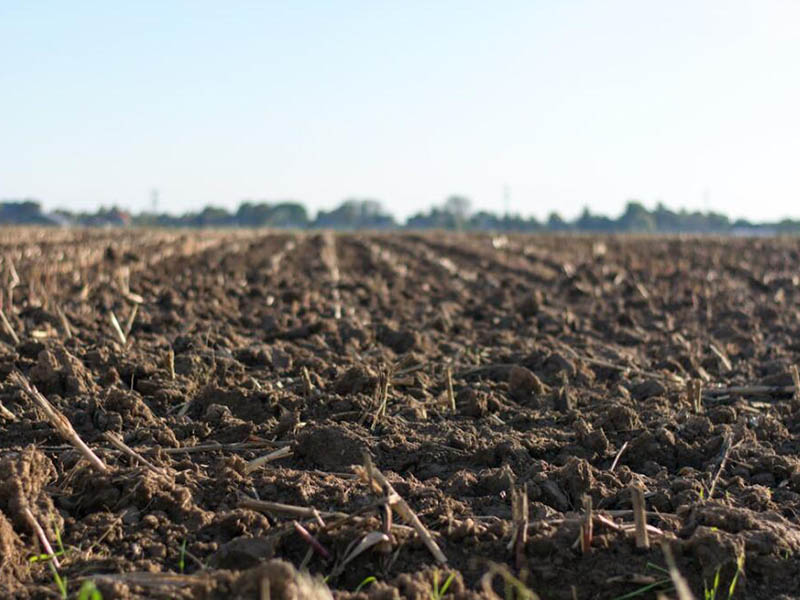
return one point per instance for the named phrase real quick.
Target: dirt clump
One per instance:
(23, 477)
(524, 386)
(354, 381)
(331, 447)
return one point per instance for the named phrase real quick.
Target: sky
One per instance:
(565, 104)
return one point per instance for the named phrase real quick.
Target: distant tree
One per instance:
(435, 219)
(356, 213)
(288, 214)
(263, 214)
(556, 223)
(212, 216)
(589, 222)
(458, 207)
(367, 213)
(485, 220)
(665, 219)
(250, 214)
(636, 218)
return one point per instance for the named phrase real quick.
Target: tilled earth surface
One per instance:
(465, 368)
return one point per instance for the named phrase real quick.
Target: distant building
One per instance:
(23, 212)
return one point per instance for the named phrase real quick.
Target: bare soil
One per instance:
(463, 367)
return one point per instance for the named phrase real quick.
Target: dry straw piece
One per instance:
(7, 327)
(120, 445)
(694, 393)
(519, 523)
(290, 510)
(680, 583)
(117, 328)
(371, 475)
(451, 397)
(619, 455)
(639, 518)
(42, 537)
(7, 414)
(171, 363)
(587, 526)
(131, 319)
(57, 420)
(64, 322)
(259, 462)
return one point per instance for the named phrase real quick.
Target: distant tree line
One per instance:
(364, 213)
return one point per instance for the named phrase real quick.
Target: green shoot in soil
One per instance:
(711, 593)
(182, 559)
(89, 591)
(365, 583)
(666, 582)
(61, 582)
(514, 588)
(59, 553)
(437, 593)
(739, 570)
(645, 588)
(44, 557)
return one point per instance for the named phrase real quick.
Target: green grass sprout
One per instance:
(365, 583)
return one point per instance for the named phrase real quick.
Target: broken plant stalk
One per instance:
(311, 540)
(42, 537)
(639, 518)
(57, 420)
(259, 462)
(587, 529)
(117, 328)
(302, 512)
(7, 327)
(519, 528)
(371, 475)
(451, 397)
(619, 455)
(120, 445)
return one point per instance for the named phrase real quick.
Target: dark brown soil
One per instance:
(569, 358)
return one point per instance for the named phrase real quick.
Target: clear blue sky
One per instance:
(569, 103)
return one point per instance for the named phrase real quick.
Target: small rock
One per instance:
(621, 418)
(495, 481)
(281, 360)
(287, 423)
(557, 363)
(216, 413)
(553, 496)
(242, 553)
(529, 306)
(722, 414)
(648, 389)
(355, 380)
(471, 403)
(524, 385)
(330, 447)
(400, 341)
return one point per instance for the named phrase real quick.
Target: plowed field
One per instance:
(372, 409)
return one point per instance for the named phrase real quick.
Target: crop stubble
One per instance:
(371, 405)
